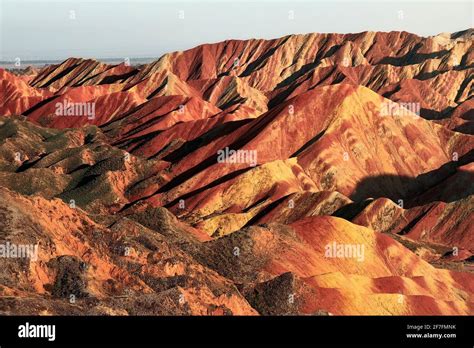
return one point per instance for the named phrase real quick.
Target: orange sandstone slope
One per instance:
(276, 269)
(384, 279)
(350, 191)
(335, 139)
(126, 269)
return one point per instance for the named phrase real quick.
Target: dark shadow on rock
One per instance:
(118, 78)
(410, 189)
(256, 64)
(466, 128)
(350, 211)
(413, 57)
(63, 73)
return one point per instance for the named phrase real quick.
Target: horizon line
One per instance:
(143, 57)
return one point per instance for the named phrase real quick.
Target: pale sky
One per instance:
(58, 29)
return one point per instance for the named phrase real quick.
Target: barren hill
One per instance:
(310, 174)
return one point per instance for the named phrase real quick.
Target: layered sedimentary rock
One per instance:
(311, 174)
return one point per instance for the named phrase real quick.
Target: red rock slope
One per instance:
(350, 190)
